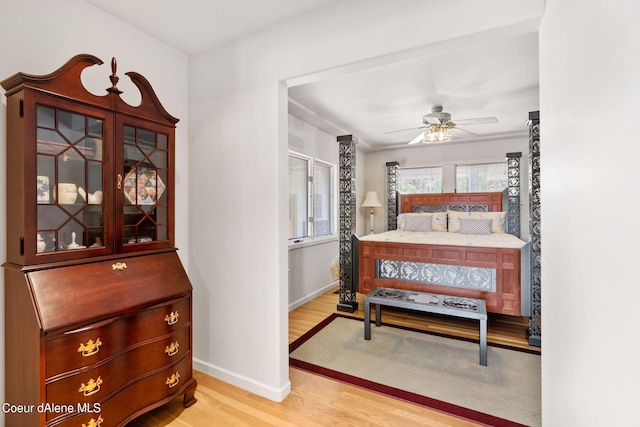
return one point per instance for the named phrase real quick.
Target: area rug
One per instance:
(437, 372)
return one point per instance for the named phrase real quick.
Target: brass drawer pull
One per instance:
(94, 423)
(173, 380)
(172, 349)
(172, 318)
(91, 387)
(90, 348)
(119, 266)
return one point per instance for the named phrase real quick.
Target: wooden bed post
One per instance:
(347, 177)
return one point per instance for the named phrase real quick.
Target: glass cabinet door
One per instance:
(145, 184)
(70, 172)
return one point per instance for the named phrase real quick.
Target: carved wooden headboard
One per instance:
(441, 202)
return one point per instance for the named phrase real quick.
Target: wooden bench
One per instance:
(468, 308)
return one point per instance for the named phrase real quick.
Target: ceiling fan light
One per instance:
(437, 134)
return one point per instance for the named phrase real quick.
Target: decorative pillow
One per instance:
(497, 220)
(417, 223)
(402, 218)
(438, 220)
(475, 226)
(400, 222)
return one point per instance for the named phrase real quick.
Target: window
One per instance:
(420, 180)
(311, 197)
(322, 206)
(481, 177)
(298, 197)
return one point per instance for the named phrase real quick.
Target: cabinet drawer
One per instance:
(83, 347)
(136, 396)
(96, 384)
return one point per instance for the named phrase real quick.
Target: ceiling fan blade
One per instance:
(462, 132)
(476, 121)
(418, 139)
(402, 130)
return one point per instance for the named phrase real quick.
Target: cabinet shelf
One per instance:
(54, 148)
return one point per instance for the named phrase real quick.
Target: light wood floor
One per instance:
(318, 401)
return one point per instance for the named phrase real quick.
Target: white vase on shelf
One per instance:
(94, 198)
(67, 193)
(73, 244)
(43, 189)
(41, 244)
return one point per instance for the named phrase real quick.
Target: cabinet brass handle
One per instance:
(119, 266)
(94, 423)
(90, 348)
(91, 387)
(172, 318)
(172, 349)
(119, 181)
(173, 380)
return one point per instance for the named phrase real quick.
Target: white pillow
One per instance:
(439, 221)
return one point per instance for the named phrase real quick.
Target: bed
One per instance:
(443, 245)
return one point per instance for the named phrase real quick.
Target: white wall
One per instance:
(239, 142)
(589, 103)
(307, 139)
(39, 36)
(309, 272)
(589, 75)
(447, 156)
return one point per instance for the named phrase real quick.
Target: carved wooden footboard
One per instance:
(504, 298)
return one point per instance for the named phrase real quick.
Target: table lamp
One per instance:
(371, 201)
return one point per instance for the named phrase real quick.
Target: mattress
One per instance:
(494, 240)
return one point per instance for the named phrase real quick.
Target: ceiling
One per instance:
(497, 78)
(195, 26)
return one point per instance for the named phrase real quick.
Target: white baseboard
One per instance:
(249, 384)
(311, 296)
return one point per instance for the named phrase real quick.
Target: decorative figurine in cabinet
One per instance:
(97, 303)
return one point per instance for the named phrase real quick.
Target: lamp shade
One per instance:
(371, 201)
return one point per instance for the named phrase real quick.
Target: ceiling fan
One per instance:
(439, 126)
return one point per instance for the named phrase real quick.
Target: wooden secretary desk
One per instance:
(97, 303)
